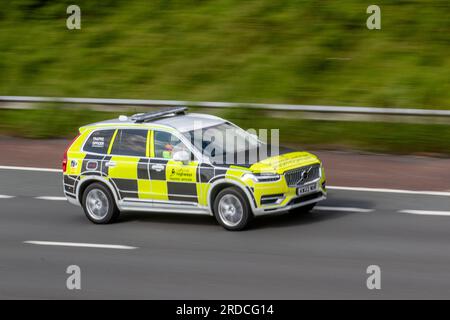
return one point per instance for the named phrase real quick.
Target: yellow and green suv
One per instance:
(174, 161)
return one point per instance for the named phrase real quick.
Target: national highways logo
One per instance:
(181, 174)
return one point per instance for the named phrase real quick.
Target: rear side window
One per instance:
(130, 142)
(99, 141)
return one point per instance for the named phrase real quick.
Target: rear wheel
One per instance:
(232, 209)
(99, 205)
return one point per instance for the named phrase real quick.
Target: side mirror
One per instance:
(182, 156)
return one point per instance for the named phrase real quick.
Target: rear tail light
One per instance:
(64, 161)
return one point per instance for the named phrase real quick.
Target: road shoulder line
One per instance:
(384, 190)
(49, 198)
(80, 245)
(30, 169)
(343, 209)
(426, 212)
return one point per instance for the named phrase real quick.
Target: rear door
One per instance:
(128, 164)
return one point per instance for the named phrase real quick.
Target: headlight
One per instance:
(262, 177)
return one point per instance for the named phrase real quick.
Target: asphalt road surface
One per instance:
(324, 254)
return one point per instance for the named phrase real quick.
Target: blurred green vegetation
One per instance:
(48, 122)
(384, 137)
(399, 138)
(284, 51)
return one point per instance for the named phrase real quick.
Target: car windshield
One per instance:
(222, 139)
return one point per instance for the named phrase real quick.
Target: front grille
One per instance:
(303, 175)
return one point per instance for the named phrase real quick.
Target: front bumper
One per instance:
(293, 203)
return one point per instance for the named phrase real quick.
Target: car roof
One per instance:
(181, 122)
(190, 121)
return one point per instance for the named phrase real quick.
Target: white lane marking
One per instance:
(30, 169)
(430, 193)
(81, 245)
(426, 212)
(2, 196)
(343, 209)
(52, 198)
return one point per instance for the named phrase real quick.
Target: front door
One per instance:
(172, 182)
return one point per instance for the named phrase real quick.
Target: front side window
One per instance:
(99, 141)
(130, 142)
(217, 141)
(166, 144)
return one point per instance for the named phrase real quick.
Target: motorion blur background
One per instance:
(264, 51)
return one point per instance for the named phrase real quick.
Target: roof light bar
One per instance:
(143, 117)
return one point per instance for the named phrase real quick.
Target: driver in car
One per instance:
(168, 151)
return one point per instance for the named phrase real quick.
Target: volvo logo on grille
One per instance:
(304, 176)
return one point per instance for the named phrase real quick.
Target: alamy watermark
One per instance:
(374, 20)
(374, 280)
(73, 282)
(73, 22)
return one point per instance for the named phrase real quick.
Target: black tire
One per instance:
(109, 213)
(234, 194)
(304, 209)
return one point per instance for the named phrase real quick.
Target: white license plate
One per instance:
(306, 189)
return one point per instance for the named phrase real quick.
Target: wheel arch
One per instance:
(95, 179)
(221, 184)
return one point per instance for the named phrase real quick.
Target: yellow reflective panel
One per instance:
(234, 173)
(151, 144)
(269, 188)
(285, 162)
(323, 179)
(78, 143)
(159, 190)
(125, 167)
(202, 193)
(112, 141)
(144, 189)
(75, 163)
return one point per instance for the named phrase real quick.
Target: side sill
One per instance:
(149, 206)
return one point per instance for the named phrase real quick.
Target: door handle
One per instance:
(110, 164)
(158, 167)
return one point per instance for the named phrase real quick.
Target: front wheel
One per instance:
(232, 209)
(99, 205)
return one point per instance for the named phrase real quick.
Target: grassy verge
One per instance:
(398, 138)
(49, 122)
(285, 51)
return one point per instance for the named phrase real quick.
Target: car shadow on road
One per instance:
(270, 221)
(164, 217)
(291, 219)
